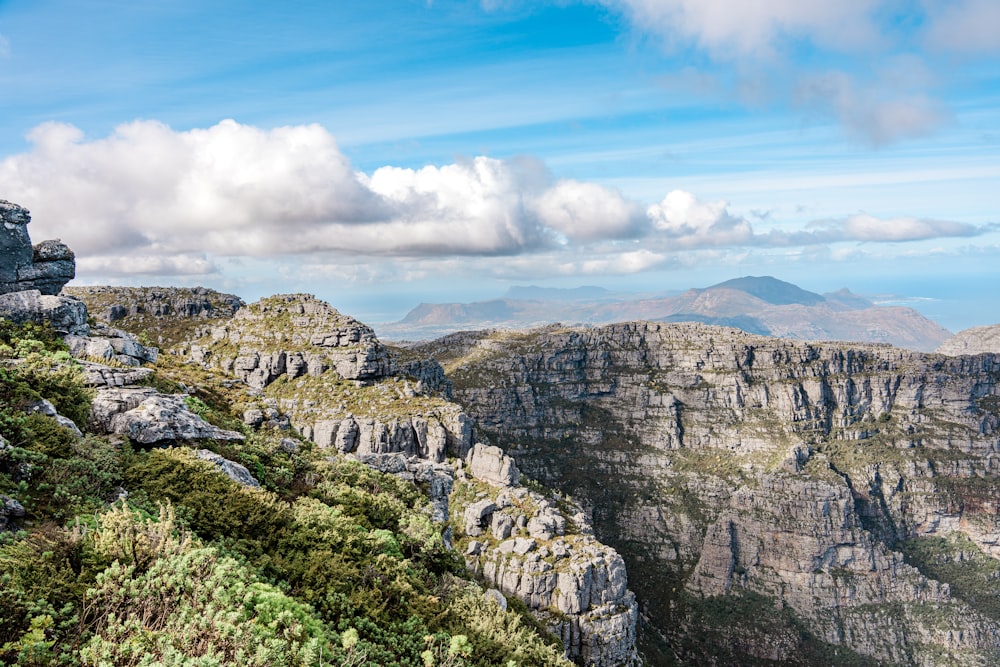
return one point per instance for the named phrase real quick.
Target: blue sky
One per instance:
(384, 153)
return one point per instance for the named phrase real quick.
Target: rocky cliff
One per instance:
(840, 501)
(305, 365)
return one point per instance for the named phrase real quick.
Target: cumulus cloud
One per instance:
(150, 201)
(690, 223)
(237, 190)
(587, 212)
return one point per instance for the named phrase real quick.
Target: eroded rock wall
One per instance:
(726, 466)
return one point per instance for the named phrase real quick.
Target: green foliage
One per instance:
(330, 563)
(974, 576)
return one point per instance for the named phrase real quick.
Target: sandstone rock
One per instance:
(232, 470)
(584, 582)
(66, 315)
(476, 516)
(437, 479)
(107, 344)
(737, 464)
(156, 419)
(977, 340)
(491, 465)
(46, 408)
(497, 597)
(99, 375)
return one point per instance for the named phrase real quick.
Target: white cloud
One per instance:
(863, 227)
(147, 265)
(149, 201)
(587, 211)
(883, 111)
(237, 190)
(4, 47)
(688, 222)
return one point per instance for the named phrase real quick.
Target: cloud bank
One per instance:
(149, 200)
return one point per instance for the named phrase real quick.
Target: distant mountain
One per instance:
(771, 290)
(461, 313)
(757, 304)
(976, 340)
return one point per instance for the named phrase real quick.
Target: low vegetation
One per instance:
(132, 557)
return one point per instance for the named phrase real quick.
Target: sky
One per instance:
(392, 152)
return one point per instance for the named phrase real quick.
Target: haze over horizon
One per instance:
(387, 153)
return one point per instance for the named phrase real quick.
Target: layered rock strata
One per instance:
(735, 471)
(338, 385)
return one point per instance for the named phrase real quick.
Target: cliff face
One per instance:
(305, 365)
(826, 495)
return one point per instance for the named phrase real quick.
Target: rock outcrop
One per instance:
(165, 315)
(337, 384)
(330, 378)
(45, 267)
(525, 545)
(789, 481)
(149, 418)
(65, 314)
(977, 340)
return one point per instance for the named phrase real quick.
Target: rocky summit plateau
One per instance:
(271, 483)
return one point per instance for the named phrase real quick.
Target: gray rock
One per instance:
(157, 419)
(10, 509)
(476, 516)
(65, 314)
(107, 344)
(491, 465)
(45, 267)
(100, 375)
(233, 470)
(288, 446)
(497, 597)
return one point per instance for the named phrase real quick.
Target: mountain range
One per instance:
(756, 304)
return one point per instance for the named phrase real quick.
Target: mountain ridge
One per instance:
(759, 304)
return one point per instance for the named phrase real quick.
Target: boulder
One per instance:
(46, 267)
(232, 470)
(65, 314)
(491, 465)
(157, 419)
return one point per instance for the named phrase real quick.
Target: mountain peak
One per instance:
(771, 290)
